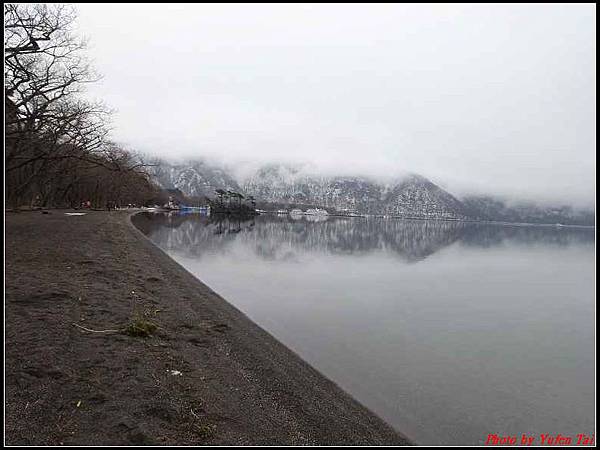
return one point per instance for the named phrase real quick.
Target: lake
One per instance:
(450, 331)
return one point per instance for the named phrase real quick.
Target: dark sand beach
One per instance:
(208, 375)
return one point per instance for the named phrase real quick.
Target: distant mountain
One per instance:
(413, 195)
(416, 194)
(409, 196)
(195, 178)
(489, 208)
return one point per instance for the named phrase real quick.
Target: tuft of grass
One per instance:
(140, 327)
(207, 430)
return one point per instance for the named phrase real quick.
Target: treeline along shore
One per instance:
(58, 150)
(109, 341)
(58, 146)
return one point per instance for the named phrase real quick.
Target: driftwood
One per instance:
(96, 331)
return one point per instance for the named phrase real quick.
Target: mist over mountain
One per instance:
(195, 178)
(490, 208)
(382, 88)
(406, 195)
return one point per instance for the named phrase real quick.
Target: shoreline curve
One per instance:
(209, 375)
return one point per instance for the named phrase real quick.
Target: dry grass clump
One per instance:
(140, 327)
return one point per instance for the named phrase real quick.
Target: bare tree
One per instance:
(45, 66)
(56, 143)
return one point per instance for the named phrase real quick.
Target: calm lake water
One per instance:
(449, 331)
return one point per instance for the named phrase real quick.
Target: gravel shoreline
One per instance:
(208, 375)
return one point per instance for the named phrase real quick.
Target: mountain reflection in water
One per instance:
(448, 330)
(275, 237)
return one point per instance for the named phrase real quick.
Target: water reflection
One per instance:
(448, 330)
(274, 237)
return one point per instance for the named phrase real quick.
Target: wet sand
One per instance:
(208, 375)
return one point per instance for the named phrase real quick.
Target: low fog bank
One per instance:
(558, 194)
(481, 99)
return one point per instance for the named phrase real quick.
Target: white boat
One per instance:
(317, 212)
(296, 212)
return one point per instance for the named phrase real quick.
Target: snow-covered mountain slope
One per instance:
(489, 208)
(194, 178)
(417, 194)
(411, 195)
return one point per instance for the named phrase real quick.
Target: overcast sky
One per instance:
(492, 99)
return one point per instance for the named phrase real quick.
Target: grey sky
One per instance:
(494, 99)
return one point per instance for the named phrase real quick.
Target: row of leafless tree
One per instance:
(57, 149)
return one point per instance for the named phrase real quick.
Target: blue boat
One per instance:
(204, 210)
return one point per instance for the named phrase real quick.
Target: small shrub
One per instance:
(140, 327)
(206, 431)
